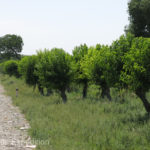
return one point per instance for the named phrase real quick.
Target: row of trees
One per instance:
(123, 65)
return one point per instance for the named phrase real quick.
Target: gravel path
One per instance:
(13, 133)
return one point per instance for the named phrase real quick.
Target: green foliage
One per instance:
(79, 52)
(79, 76)
(136, 68)
(54, 69)
(78, 55)
(56, 66)
(27, 69)
(139, 11)
(98, 46)
(114, 60)
(2, 70)
(11, 68)
(43, 67)
(103, 64)
(10, 46)
(93, 66)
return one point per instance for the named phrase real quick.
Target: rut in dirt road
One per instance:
(13, 133)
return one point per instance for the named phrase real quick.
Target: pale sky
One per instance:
(63, 23)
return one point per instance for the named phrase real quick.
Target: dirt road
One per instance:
(13, 126)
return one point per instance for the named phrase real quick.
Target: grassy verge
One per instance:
(90, 124)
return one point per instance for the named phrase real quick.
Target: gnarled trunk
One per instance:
(63, 95)
(84, 92)
(40, 89)
(106, 92)
(145, 102)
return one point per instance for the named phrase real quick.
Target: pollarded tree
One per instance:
(10, 46)
(42, 67)
(136, 69)
(54, 70)
(93, 67)
(78, 54)
(27, 68)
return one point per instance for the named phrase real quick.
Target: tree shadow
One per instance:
(143, 119)
(140, 119)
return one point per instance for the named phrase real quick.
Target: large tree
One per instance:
(78, 56)
(27, 68)
(136, 69)
(54, 70)
(94, 67)
(10, 46)
(139, 14)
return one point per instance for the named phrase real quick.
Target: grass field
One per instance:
(89, 124)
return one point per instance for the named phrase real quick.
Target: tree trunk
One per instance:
(40, 89)
(145, 102)
(49, 92)
(106, 92)
(69, 90)
(63, 96)
(84, 92)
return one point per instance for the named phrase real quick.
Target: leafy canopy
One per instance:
(11, 68)
(136, 68)
(139, 12)
(10, 46)
(78, 56)
(27, 68)
(54, 68)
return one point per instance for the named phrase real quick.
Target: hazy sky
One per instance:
(63, 23)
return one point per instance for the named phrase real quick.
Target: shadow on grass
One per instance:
(144, 118)
(137, 119)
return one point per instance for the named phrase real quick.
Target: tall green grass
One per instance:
(89, 124)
